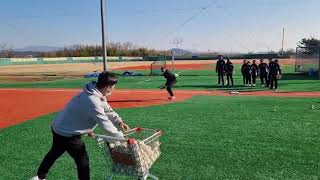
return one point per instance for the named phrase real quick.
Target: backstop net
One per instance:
(159, 62)
(307, 59)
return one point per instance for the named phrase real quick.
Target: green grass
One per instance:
(188, 79)
(204, 138)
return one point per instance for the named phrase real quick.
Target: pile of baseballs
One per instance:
(121, 147)
(145, 156)
(149, 154)
(118, 146)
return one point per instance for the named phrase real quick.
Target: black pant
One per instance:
(273, 82)
(229, 77)
(243, 79)
(220, 78)
(248, 78)
(254, 77)
(263, 77)
(268, 80)
(76, 149)
(169, 85)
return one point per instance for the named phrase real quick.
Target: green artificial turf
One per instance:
(188, 79)
(204, 138)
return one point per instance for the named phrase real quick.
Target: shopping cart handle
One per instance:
(157, 134)
(109, 138)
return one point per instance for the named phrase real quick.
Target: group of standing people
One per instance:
(224, 68)
(268, 73)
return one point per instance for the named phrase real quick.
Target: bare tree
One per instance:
(6, 51)
(2, 49)
(128, 46)
(113, 48)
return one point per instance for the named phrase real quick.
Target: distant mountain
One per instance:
(72, 47)
(18, 54)
(39, 49)
(180, 52)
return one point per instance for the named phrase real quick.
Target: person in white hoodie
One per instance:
(80, 115)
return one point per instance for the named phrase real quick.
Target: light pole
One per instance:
(268, 48)
(172, 59)
(282, 41)
(102, 7)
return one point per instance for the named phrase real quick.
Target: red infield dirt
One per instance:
(19, 105)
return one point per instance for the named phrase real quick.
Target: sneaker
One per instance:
(172, 98)
(36, 178)
(263, 85)
(249, 85)
(253, 84)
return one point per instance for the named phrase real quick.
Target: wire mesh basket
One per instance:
(132, 155)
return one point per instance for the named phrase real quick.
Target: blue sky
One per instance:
(225, 25)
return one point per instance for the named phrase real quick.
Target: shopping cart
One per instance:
(132, 155)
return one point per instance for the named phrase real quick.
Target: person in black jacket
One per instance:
(275, 74)
(263, 71)
(171, 81)
(269, 75)
(254, 72)
(247, 73)
(242, 72)
(220, 69)
(229, 71)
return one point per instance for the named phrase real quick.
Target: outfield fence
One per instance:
(61, 60)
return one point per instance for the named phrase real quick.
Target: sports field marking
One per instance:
(147, 80)
(179, 72)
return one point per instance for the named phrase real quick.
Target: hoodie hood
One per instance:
(84, 111)
(91, 89)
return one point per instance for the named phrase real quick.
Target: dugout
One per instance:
(307, 59)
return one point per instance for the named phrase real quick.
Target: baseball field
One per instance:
(208, 132)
